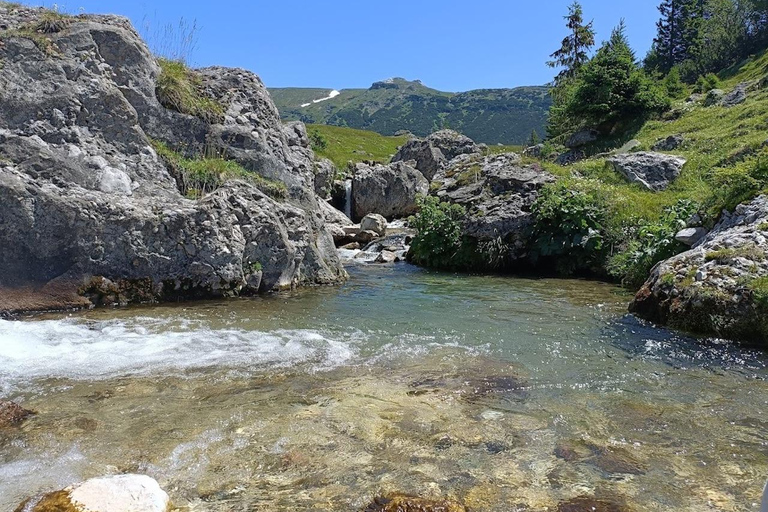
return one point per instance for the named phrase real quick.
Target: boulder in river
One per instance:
(388, 190)
(720, 287)
(374, 222)
(122, 493)
(654, 171)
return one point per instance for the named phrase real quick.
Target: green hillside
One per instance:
(343, 145)
(492, 116)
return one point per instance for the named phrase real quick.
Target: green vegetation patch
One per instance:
(201, 176)
(344, 145)
(181, 89)
(726, 255)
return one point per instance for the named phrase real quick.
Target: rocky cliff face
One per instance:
(86, 201)
(720, 286)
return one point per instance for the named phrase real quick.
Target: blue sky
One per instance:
(450, 45)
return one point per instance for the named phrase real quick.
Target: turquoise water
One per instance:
(501, 393)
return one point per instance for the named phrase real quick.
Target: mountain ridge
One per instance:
(492, 116)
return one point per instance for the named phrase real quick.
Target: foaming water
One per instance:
(490, 390)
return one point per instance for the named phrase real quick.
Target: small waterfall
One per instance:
(348, 198)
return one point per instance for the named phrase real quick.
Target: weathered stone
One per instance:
(654, 171)
(411, 504)
(386, 257)
(428, 159)
(365, 237)
(714, 97)
(691, 236)
(710, 289)
(12, 414)
(737, 96)
(582, 138)
(325, 173)
(374, 222)
(123, 493)
(83, 193)
(452, 144)
(388, 190)
(670, 143)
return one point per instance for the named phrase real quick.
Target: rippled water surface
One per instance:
(504, 394)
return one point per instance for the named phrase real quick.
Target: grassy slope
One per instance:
(346, 145)
(714, 138)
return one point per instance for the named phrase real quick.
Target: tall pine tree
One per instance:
(669, 45)
(574, 50)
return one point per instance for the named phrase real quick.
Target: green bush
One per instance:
(706, 83)
(181, 89)
(317, 140)
(438, 242)
(569, 226)
(650, 243)
(674, 86)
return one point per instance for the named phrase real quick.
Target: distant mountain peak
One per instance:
(396, 83)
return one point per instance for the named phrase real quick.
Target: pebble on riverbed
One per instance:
(12, 414)
(409, 504)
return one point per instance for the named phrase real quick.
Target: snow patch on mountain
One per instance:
(332, 95)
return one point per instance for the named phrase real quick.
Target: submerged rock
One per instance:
(12, 413)
(610, 459)
(592, 504)
(719, 287)
(654, 171)
(123, 493)
(411, 504)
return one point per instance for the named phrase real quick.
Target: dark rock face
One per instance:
(410, 504)
(582, 138)
(737, 96)
(12, 414)
(388, 190)
(715, 288)
(83, 193)
(654, 171)
(498, 192)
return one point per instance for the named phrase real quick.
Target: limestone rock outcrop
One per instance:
(84, 195)
(654, 171)
(388, 190)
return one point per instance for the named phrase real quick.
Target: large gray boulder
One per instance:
(582, 138)
(654, 171)
(85, 200)
(737, 96)
(720, 286)
(436, 151)
(121, 493)
(389, 190)
(498, 192)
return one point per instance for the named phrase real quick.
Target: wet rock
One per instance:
(654, 171)
(388, 190)
(671, 143)
(411, 504)
(473, 388)
(123, 493)
(354, 246)
(715, 288)
(374, 222)
(691, 236)
(572, 451)
(12, 413)
(609, 459)
(591, 504)
(386, 257)
(365, 237)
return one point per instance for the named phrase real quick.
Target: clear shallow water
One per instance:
(505, 394)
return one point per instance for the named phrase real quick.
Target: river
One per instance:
(502, 393)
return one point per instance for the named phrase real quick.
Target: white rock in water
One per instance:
(123, 493)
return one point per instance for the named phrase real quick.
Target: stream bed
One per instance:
(504, 394)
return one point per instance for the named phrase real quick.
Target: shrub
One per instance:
(569, 226)
(673, 84)
(438, 241)
(318, 141)
(706, 83)
(181, 89)
(733, 186)
(650, 243)
(197, 177)
(52, 22)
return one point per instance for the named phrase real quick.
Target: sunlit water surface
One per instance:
(504, 394)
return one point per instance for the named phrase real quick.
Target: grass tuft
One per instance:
(181, 89)
(201, 176)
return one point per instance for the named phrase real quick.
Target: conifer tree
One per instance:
(574, 50)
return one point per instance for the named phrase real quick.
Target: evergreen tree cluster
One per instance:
(704, 36)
